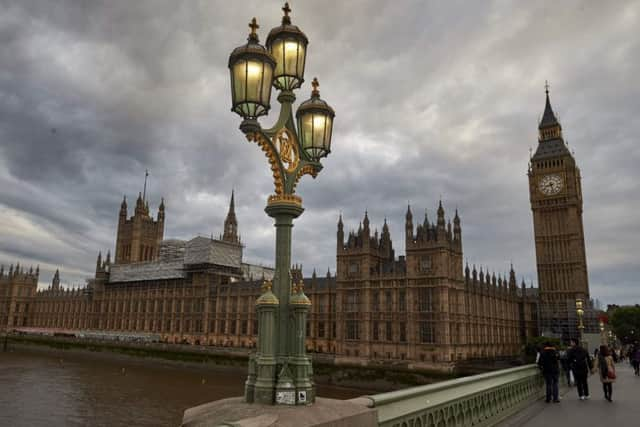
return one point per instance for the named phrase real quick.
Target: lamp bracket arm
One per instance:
(305, 167)
(285, 119)
(263, 139)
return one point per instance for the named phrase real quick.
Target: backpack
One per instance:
(604, 370)
(581, 362)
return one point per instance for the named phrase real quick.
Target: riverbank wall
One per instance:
(378, 378)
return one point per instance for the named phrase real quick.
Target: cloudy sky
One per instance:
(433, 99)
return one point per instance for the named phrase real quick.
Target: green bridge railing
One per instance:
(479, 400)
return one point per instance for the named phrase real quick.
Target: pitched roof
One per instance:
(203, 250)
(174, 255)
(548, 117)
(551, 148)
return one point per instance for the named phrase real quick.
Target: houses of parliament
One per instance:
(424, 308)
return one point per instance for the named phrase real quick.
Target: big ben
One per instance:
(556, 201)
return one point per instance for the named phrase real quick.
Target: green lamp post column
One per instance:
(300, 362)
(262, 368)
(292, 153)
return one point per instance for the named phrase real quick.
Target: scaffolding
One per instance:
(559, 319)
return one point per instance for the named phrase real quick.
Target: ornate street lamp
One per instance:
(580, 312)
(251, 69)
(280, 371)
(603, 339)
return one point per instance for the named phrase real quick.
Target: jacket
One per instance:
(548, 361)
(610, 366)
(579, 360)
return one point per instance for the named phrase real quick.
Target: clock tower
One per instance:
(556, 201)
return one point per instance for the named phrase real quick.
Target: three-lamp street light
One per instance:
(280, 371)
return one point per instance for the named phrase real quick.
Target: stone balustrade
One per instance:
(479, 400)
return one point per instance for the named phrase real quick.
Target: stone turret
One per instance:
(55, 283)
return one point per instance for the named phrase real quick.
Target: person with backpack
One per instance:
(549, 364)
(580, 364)
(607, 371)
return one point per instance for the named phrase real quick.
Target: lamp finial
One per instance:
(253, 36)
(286, 19)
(316, 85)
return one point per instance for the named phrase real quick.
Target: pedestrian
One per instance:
(580, 365)
(635, 359)
(607, 371)
(549, 364)
(566, 369)
(614, 355)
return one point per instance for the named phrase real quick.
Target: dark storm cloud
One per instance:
(433, 99)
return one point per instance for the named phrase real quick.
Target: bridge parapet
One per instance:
(479, 400)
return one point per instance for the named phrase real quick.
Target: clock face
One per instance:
(550, 184)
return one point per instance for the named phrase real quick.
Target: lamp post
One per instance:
(580, 312)
(280, 371)
(603, 337)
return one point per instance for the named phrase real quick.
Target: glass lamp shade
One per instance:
(579, 304)
(315, 125)
(251, 68)
(288, 45)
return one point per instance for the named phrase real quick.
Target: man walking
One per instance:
(548, 363)
(580, 364)
(634, 356)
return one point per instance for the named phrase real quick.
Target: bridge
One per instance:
(505, 398)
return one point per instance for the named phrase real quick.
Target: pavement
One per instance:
(570, 412)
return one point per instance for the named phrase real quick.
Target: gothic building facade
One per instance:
(424, 307)
(421, 308)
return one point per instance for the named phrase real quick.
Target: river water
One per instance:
(56, 388)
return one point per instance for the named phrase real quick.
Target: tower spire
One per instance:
(549, 126)
(231, 223)
(144, 190)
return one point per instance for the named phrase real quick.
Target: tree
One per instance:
(625, 322)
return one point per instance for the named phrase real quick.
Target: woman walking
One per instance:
(607, 371)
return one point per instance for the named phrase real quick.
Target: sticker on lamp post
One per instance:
(302, 396)
(286, 397)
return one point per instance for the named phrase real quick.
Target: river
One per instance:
(55, 388)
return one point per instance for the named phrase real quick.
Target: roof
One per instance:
(174, 255)
(203, 250)
(551, 148)
(548, 117)
(156, 270)
(250, 272)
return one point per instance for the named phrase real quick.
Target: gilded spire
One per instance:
(315, 92)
